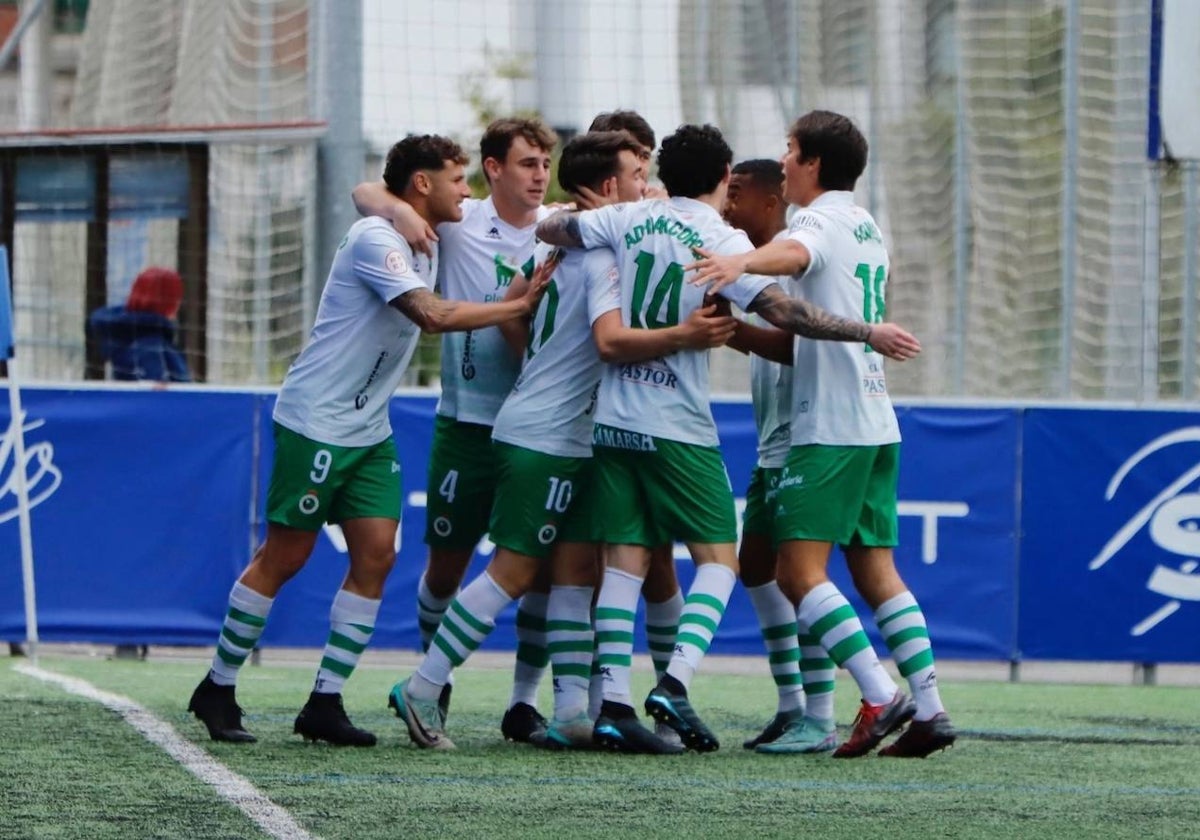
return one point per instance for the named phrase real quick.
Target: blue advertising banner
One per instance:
(1036, 533)
(1111, 543)
(139, 508)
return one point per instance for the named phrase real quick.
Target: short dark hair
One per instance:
(588, 160)
(692, 161)
(764, 172)
(630, 121)
(837, 142)
(499, 135)
(418, 151)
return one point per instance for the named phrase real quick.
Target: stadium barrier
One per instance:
(1027, 532)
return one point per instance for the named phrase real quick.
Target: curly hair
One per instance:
(692, 161)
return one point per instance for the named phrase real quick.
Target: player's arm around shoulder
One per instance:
(717, 270)
(561, 229)
(372, 198)
(434, 314)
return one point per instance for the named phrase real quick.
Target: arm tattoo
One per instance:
(804, 318)
(423, 307)
(561, 229)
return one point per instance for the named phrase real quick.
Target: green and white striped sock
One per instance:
(702, 614)
(902, 624)
(351, 623)
(777, 619)
(616, 612)
(430, 610)
(662, 624)
(532, 655)
(832, 620)
(819, 674)
(571, 641)
(244, 623)
(466, 624)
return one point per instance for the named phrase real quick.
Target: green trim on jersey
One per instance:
(839, 494)
(759, 515)
(461, 483)
(313, 483)
(650, 491)
(535, 496)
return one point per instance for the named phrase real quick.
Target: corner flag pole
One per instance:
(16, 427)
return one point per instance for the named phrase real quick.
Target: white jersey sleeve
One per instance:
(383, 261)
(604, 226)
(604, 284)
(813, 232)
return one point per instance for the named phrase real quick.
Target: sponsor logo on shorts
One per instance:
(546, 534)
(309, 503)
(789, 481)
(620, 439)
(442, 526)
(395, 262)
(395, 467)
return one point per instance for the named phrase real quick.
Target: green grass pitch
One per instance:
(1033, 760)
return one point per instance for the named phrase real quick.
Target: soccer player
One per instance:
(802, 670)
(480, 256)
(660, 590)
(335, 459)
(839, 482)
(658, 465)
(542, 437)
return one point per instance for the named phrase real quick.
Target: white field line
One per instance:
(230, 786)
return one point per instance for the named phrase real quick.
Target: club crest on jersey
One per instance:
(395, 262)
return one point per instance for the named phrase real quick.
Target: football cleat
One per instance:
(775, 728)
(216, 706)
(874, 723)
(806, 735)
(324, 718)
(675, 710)
(572, 734)
(922, 737)
(421, 717)
(523, 723)
(619, 729)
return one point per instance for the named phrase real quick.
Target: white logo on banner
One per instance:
(1173, 517)
(42, 477)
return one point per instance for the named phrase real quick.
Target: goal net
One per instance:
(1036, 251)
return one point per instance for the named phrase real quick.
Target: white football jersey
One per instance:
(553, 403)
(480, 256)
(839, 395)
(337, 390)
(665, 397)
(771, 392)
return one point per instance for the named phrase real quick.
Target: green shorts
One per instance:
(313, 483)
(650, 491)
(759, 516)
(839, 494)
(536, 495)
(461, 484)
